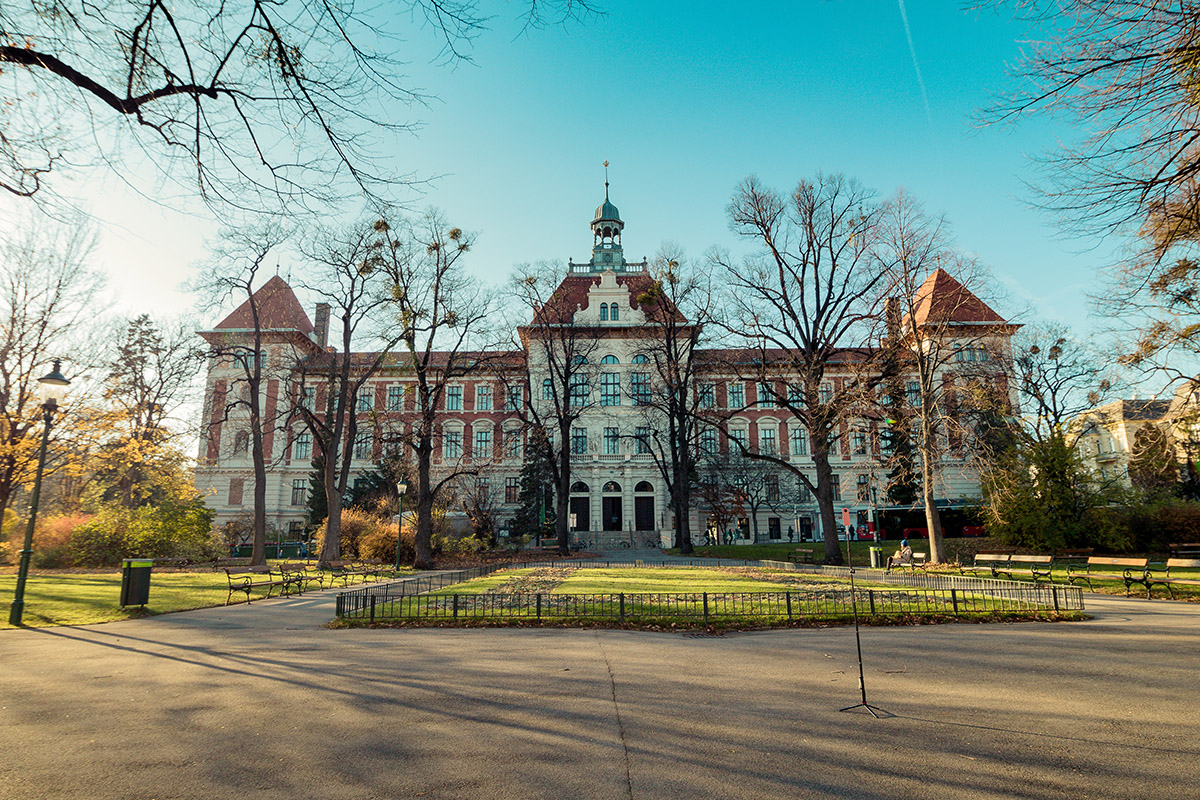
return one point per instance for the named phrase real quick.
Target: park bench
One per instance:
(919, 559)
(1186, 550)
(1078, 556)
(1038, 566)
(1164, 577)
(1133, 570)
(801, 555)
(374, 567)
(993, 562)
(247, 579)
(344, 570)
(221, 563)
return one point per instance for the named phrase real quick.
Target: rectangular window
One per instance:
(773, 529)
(612, 442)
(737, 395)
(640, 388)
(766, 396)
(912, 391)
(795, 395)
(799, 441)
(513, 398)
(739, 436)
(395, 398)
(837, 489)
(708, 395)
(295, 530)
(454, 396)
(299, 491)
(512, 444)
(708, 442)
(642, 435)
(512, 490)
(483, 444)
(858, 440)
(864, 488)
(452, 444)
(833, 444)
(302, 446)
(772, 482)
(610, 389)
(366, 399)
(307, 397)
(236, 486)
(362, 445)
(578, 441)
(581, 389)
(803, 493)
(766, 442)
(826, 393)
(483, 397)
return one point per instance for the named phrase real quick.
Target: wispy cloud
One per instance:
(912, 49)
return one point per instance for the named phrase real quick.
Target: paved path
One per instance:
(264, 701)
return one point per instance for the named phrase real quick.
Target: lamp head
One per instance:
(401, 487)
(53, 386)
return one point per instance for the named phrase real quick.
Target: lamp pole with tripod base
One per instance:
(862, 686)
(401, 488)
(53, 387)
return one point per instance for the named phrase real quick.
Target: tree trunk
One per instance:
(331, 549)
(562, 520)
(933, 519)
(423, 544)
(258, 553)
(833, 551)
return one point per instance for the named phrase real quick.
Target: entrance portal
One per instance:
(610, 513)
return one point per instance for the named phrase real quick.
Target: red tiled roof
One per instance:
(572, 295)
(278, 309)
(943, 300)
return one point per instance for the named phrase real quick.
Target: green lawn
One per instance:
(75, 599)
(643, 579)
(780, 552)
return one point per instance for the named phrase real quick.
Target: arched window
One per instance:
(604, 312)
(643, 486)
(641, 358)
(612, 486)
(610, 360)
(616, 312)
(547, 389)
(580, 360)
(579, 487)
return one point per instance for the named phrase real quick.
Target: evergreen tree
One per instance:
(316, 507)
(903, 484)
(536, 516)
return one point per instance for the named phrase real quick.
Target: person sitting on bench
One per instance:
(901, 556)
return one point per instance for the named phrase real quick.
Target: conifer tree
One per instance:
(536, 515)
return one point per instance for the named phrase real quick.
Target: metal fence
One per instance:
(807, 603)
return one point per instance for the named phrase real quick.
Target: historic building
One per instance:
(617, 492)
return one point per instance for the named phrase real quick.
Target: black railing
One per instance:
(816, 602)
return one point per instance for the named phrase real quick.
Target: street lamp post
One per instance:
(53, 387)
(401, 488)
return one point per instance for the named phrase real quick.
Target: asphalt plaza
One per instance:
(263, 701)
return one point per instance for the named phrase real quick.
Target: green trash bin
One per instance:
(135, 581)
(877, 560)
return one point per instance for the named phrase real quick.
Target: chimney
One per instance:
(321, 324)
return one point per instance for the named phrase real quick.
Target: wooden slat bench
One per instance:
(919, 559)
(993, 562)
(247, 579)
(1165, 578)
(1133, 570)
(344, 570)
(1038, 566)
(1186, 550)
(801, 556)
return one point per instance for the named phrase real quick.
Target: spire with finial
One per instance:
(606, 180)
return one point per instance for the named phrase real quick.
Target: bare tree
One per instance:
(232, 276)
(443, 319)
(808, 304)
(46, 293)
(251, 99)
(561, 354)
(350, 278)
(670, 396)
(943, 334)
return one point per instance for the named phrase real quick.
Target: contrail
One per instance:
(913, 51)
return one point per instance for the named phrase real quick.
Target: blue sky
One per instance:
(685, 100)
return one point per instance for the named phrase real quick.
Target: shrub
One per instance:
(362, 533)
(168, 530)
(380, 542)
(51, 539)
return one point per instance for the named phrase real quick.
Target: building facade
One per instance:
(617, 487)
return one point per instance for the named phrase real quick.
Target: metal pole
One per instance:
(399, 531)
(18, 604)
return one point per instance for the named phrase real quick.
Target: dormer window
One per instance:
(615, 312)
(604, 312)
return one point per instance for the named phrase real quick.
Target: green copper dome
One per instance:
(607, 211)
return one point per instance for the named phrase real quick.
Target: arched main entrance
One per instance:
(580, 507)
(643, 506)
(610, 507)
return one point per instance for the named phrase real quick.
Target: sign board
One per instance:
(846, 518)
